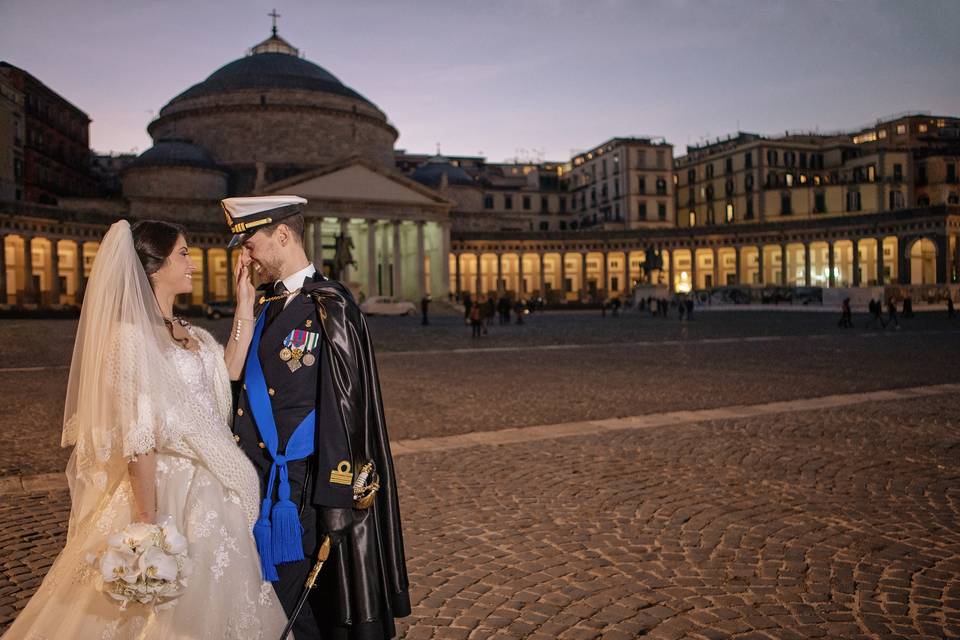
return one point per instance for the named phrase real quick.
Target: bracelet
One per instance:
(238, 325)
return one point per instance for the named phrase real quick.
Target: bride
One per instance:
(147, 411)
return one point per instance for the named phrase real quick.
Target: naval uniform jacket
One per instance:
(363, 585)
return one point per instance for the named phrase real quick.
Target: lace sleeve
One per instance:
(137, 416)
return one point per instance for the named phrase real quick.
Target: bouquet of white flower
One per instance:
(145, 563)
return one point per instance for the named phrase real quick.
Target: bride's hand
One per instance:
(244, 286)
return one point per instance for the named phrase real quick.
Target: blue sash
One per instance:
(278, 532)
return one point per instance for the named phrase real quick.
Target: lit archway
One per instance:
(923, 261)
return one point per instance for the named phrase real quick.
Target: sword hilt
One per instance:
(322, 556)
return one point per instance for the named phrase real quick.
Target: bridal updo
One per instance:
(154, 241)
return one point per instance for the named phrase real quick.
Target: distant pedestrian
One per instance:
(908, 307)
(467, 305)
(476, 320)
(489, 310)
(503, 308)
(615, 306)
(876, 314)
(892, 313)
(689, 304)
(846, 315)
(519, 308)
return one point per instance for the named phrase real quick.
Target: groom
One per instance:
(310, 417)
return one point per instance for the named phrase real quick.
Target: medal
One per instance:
(297, 353)
(308, 359)
(285, 354)
(294, 364)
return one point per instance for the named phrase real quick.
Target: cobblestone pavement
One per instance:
(839, 523)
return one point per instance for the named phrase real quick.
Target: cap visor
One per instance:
(236, 241)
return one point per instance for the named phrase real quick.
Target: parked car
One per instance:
(216, 309)
(387, 306)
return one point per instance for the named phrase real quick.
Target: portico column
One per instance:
(627, 276)
(693, 268)
(563, 276)
(499, 273)
(831, 260)
(520, 283)
(29, 292)
(371, 258)
(760, 263)
(397, 257)
(783, 264)
(880, 261)
(205, 265)
(606, 274)
(583, 275)
(55, 272)
(420, 259)
(3, 268)
(736, 264)
(903, 261)
(942, 242)
(856, 262)
(479, 274)
(543, 279)
(671, 282)
(81, 274)
(229, 274)
(715, 253)
(318, 244)
(445, 259)
(456, 270)
(806, 265)
(345, 234)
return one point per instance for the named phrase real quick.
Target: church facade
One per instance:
(866, 208)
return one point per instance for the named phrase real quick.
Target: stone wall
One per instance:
(174, 182)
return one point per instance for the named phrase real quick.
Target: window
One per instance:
(710, 215)
(922, 128)
(881, 134)
(871, 173)
(789, 158)
(604, 194)
(544, 205)
(616, 163)
(544, 226)
(616, 189)
(896, 200)
(789, 179)
(661, 186)
(709, 192)
(951, 172)
(853, 201)
(748, 213)
(921, 174)
(803, 159)
(508, 202)
(662, 210)
(728, 165)
(642, 211)
(728, 218)
(819, 202)
(772, 157)
(563, 204)
(729, 187)
(748, 182)
(661, 159)
(692, 218)
(641, 157)
(786, 207)
(526, 203)
(593, 197)
(692, 176)
(748, 160)
(709, 170)
(488, 202)
(690, 197)
(616, 212)
(898, 172)
(953, 198)
(563, 225)
(641, 185)
(901, 129)
(771, 179)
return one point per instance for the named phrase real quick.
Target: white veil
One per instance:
(120, 380)
(125, 395)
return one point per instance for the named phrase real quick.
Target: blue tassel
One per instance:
(262, 535)
(287, 541)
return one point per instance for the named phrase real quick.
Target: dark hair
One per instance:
(154, 241)
(295, 223)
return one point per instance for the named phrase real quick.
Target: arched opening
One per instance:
(772, 268)
(572, 265)
(727, 259)
(552, 286)
(682, 271)
(819, 264)
(796, 269)
(750, 263)
(595, 289)
(923, 262)
(891, 260)
(509, 274)
(843, 263)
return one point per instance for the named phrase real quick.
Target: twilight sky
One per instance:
(506, 78)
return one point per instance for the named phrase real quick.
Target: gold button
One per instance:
(240, 411)
(236, 438)
(261, 445)
(244, 386)
(271, 391)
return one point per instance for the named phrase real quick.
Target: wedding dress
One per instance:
(132, 390)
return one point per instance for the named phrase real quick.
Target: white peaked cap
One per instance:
(245, 215)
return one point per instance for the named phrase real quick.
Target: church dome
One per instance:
(431, 173)
(269, 70)
(174, 152)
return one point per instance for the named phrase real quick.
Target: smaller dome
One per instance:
(431, 172)
(175, 152)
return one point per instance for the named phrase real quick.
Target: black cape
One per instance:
(367, 555)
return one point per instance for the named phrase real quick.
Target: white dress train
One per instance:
(225, 597)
